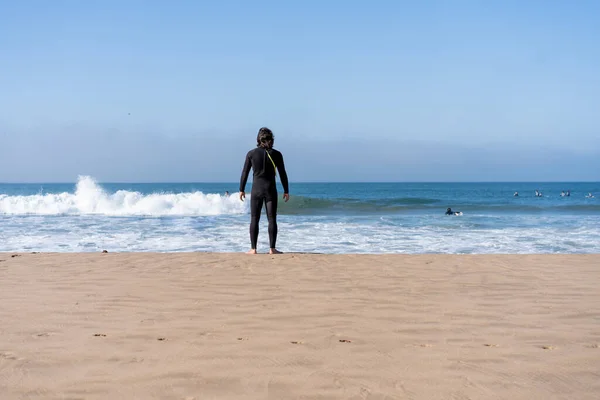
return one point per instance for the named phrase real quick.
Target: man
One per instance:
(265, 162)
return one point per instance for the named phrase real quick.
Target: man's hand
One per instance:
(286, 197)
(242, 196)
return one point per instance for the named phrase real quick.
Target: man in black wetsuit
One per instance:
(265, 162)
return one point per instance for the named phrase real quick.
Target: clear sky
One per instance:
(131, 90)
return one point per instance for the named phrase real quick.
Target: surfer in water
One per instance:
(450, 212)
(265, 162)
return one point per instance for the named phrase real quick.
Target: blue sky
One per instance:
(354, 91)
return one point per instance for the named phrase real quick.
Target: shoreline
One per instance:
(295, 253)
(336, 326)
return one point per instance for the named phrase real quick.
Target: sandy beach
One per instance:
(299, 326)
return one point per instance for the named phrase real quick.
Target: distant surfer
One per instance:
(589, 196)
(516, 194)
(265, 161)
(562, 194)
(450, 212)
(226, 193)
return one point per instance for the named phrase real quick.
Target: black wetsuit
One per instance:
(264, 189)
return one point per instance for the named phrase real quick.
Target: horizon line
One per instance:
(291, 182)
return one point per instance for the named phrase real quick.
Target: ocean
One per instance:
(88, 216)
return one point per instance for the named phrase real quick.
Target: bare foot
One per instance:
(253, 251)
(275, 251)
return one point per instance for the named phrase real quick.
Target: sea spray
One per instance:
(90, 198)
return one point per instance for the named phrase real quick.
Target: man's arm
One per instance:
(245, 173)
(283, 175)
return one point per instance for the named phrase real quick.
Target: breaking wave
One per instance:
(91, 198)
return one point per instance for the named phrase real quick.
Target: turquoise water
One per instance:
(320, 217)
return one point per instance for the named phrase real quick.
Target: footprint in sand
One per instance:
(15, 255)
(161, 339)
(594, 346)
(490, 345)
(345, 341)
(296, 342)
(7, 355)
(548, 347)
(100, 334)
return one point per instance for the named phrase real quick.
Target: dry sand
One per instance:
(233, 326)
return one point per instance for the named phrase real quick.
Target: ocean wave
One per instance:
(315, 206)
(311, 205)
(91, 198)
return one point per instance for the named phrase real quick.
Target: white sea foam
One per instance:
(90, 198)
(229, 233)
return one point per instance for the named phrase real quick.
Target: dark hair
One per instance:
(265, 138)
